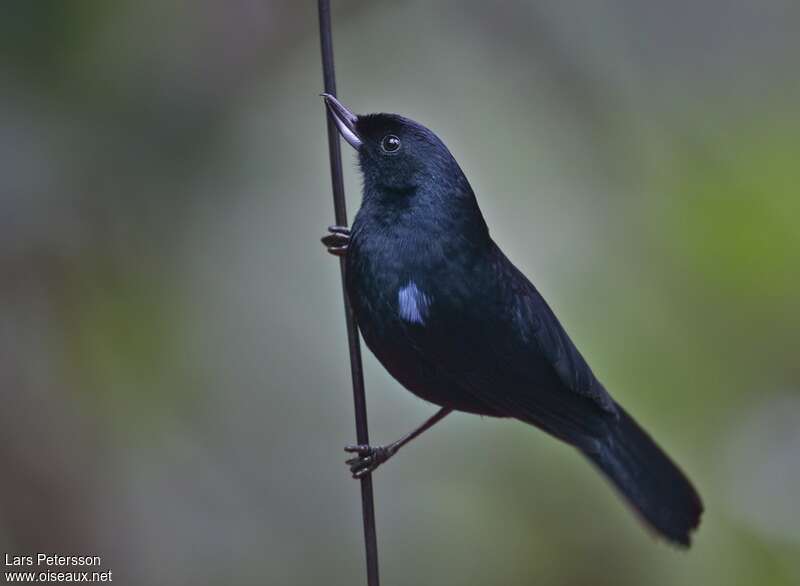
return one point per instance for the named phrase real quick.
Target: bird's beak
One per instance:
(345, 120)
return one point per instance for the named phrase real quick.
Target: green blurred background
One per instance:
(173, 368)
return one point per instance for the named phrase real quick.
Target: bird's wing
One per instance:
(537, 327)
(498, 340)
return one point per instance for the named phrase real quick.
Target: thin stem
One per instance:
(356, 370)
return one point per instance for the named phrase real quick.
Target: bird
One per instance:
(451, 318)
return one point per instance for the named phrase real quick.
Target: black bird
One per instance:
(457, 324)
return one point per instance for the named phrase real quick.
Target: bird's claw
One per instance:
(337, 241)
(368, 458)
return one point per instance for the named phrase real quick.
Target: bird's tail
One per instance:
(654, 486)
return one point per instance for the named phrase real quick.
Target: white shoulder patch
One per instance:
(413, 304)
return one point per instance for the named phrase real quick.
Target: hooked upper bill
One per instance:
(345, 120)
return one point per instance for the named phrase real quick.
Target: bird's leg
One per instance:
(369, 457)
(338, 240)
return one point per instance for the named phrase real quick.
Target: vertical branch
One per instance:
(340, 209)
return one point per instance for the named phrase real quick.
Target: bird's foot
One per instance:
(368, 458)
(337, 241)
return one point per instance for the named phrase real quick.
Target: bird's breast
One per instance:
(388, 285)
(398, 275)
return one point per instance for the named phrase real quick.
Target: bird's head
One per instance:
(395, 153)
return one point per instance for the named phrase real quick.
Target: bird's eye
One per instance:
(390, 143)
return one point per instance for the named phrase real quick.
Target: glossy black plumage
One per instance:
(455, 322)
